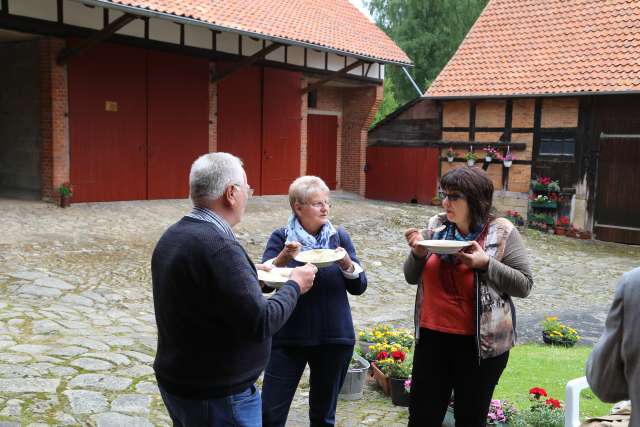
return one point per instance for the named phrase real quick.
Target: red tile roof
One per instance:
(546, 47)
(329, 24)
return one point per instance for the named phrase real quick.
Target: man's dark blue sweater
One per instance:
(214, 324)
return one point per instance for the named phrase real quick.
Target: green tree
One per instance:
(429, 31)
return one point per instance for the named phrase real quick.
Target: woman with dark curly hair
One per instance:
(465, 318)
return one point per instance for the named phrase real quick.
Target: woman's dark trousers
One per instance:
(328, 364)
(444, 363)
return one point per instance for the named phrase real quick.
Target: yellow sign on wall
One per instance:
(111, 106)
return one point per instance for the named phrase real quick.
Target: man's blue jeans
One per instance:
(243, 410)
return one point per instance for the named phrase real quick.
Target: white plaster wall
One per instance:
(40, 9)
(227, 42)
(315, 59)
(277, 55)
(164, 31)
(133, 28)
(80, 15)
(295, 55)
(198, 37)
(250, 46)
(336, 62)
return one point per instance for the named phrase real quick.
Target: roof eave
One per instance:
(530, 95)
(191, 21)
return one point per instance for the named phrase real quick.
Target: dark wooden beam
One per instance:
(330, 77)
(5, 7)
(95, 39)
(245, 62)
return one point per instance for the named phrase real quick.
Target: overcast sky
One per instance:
(360, 5)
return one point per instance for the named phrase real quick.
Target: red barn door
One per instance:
(402, 174)
(108, 124)
(178, 121)
(322, 134)
(239, 120)
(280, 130)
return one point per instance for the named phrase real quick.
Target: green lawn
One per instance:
(532, 365)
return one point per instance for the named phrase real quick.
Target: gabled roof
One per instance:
(538, 47)
(334, 25)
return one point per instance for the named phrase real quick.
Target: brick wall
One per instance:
(560, 113)
(359, 108)
(53, 118)
(455, 114)
(490, 114)
(522, 113)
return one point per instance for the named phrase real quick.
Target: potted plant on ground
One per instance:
(544, 411)
(66, 192)
(562, 224)
(556, 333)
(470, 157)
(450, 155)
(508, 159)
(501, 413)
(355, 378)
(398, 369)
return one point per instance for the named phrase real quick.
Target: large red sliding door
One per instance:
(107, 122)
(402, 174)
(322, 137)
(239, 120)
(280, 130)
(178, 121)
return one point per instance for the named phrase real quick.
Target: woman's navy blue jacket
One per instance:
(322, 315)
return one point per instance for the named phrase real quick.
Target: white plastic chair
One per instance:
(572, 401)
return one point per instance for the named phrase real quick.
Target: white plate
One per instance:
(320, 257)
(276, 277)
(444, 246)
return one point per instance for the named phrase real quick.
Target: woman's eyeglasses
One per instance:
(319, 205)
(453, 197)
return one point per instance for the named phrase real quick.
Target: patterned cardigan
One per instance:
(508, 275)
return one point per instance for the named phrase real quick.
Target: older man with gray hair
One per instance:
(214, 324)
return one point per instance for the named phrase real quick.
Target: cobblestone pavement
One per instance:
(77, 331)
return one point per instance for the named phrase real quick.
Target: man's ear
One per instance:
(229, 194)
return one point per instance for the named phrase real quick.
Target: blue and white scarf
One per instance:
(296, 233)
(452, 233)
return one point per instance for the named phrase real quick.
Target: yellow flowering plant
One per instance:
(555, 332)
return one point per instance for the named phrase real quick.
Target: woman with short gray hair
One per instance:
(320, 330)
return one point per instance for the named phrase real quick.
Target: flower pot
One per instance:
(354, 381)
(399, 395)
(551, 230)
(547, 339)
(450, 159)
(65, 201)
(561, 231)
(381, 379)
(571, 233)
(471, 162)
(436, 201)
(507, 163)
(488, 159)
(364, 346)
(449, 419)
(585, 235)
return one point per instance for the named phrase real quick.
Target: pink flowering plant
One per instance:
(500, 411)
(493, 153)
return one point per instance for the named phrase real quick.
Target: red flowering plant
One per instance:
(545, 411)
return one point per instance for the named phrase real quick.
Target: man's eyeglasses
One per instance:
(453, 197)
(319, 205)
(246, 187)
